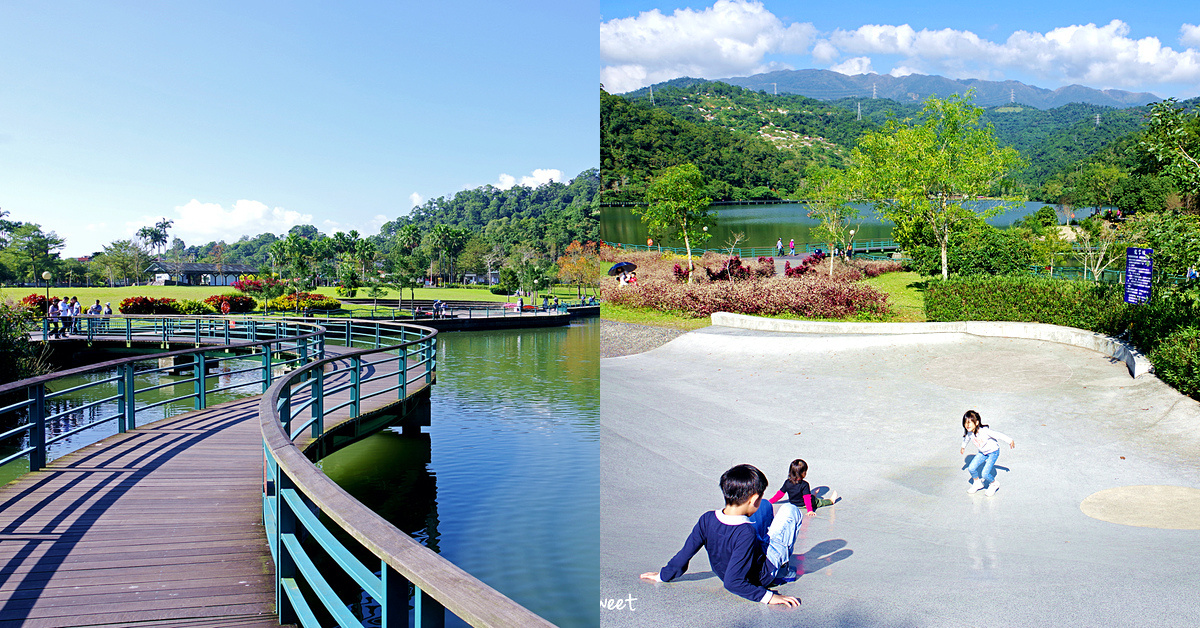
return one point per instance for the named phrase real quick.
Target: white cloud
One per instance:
(205, 222)
(1189, 35)
(416, 199)
(730, 38)
(538, 177)
(855, 65)
(1090, 54)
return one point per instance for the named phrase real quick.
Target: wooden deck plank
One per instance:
(160, 526)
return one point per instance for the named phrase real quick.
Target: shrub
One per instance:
(36, 303)
(238, 303)
(191, 307)
(1177, 361)
(811, 297)
(304, 301)
(1084, 305)
(346, 291)
(148, 305)
(679, 273)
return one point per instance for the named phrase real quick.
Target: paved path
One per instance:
(878, 419)
(160, 526)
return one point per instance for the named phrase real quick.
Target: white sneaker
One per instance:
(992, 489)
(976, 484)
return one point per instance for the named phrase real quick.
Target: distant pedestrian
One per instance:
(987, 441)
(52, 317)
(779, 246)
(1191, 273)
(65, 315)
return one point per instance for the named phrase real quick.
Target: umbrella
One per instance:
(621, 267)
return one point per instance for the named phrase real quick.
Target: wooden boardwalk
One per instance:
(160, 526)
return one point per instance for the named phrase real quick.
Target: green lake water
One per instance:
(764, 224)
(505, 481)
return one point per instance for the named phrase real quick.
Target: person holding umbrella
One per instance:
(620, 270)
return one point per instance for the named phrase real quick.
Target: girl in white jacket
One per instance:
(987, 442)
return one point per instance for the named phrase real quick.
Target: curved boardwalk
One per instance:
(160, 526)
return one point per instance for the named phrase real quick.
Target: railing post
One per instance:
(349, 337)
(430, 356)
(226, 321)
(196, 323)
(201, 387)
(121, 427)
(285, 567)
(37, 434)
(355, 384)
(130, 397)
(394, 605)
(129, 332)
(318, 404)
(428, 612)
(45, 328)
(267, 374)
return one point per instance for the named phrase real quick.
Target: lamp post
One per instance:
(46, 276)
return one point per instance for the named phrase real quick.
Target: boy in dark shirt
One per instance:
(734, 550)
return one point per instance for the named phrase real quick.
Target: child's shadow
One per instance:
(967, 462)
(820, 556)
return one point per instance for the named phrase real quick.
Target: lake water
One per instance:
(505, 482)
(764, 224)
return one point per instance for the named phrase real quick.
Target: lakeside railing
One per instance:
(860, 246)
(299, 499)
(278, 344)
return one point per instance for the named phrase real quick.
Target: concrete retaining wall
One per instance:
(1138, 364)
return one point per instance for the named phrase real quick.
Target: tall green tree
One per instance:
(1172, 138)
(678, 208)
(828, 192)
(921, 173)
(31, 251)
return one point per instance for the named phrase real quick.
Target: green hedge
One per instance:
(1085, 305)
(1177, 361)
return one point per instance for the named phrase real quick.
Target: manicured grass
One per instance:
(906, 294)
(639, 316)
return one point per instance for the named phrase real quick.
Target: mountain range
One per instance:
(914, 88)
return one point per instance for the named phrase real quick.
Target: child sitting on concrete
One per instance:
(735, 553)
(798, 492)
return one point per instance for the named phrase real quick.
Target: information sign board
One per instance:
(1139, 265)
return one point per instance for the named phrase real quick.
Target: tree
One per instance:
(678, 208)
(922, 173)
(125, 259)
(1097, 245)
(1172, 139)
(828, 194)
(581, 266)
(31, 251)
(155, 238)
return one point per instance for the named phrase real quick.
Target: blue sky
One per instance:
(236, 118)
(1135, 46)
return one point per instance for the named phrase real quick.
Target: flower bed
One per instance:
(304, 301)
(238, 303)
(812, 295)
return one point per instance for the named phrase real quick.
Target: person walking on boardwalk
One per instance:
(987, 441)
(779, 246)
(792, 247)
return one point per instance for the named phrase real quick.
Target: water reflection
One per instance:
(508, 489)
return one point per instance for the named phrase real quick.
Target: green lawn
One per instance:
(639, 316)
(906, 292)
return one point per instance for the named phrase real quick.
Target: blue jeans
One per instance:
(784, 528)
(987, 462)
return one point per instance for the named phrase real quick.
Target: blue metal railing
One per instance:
(296, 494)
(284, 343)
(758, 251)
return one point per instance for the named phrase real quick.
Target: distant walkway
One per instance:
(159, 526)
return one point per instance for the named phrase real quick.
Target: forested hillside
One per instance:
(756, 145)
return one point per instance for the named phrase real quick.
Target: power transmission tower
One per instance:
(1097, 119)
(1012, 95)
(776, 88)
(651, 95)
(872, 91)
(860, 111)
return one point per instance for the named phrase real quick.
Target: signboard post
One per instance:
(1139, 265)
